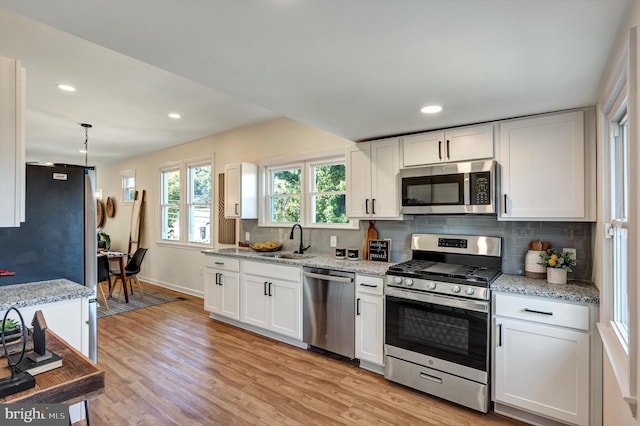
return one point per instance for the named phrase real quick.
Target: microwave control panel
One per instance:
(480, 188)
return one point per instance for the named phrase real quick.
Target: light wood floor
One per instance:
(172, 364)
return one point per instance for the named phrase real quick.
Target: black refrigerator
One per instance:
(58, 237)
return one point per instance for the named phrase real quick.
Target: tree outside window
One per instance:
(171, 205)
(200, 203)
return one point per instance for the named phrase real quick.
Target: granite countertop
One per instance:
(317, 261)
(40, 292)
(574, 291)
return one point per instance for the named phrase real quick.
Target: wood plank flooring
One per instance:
(172, 365)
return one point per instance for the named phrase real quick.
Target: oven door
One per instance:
(449, 329)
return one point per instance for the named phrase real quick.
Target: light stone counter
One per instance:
(40, 292)
(575, 291)
(320, 261)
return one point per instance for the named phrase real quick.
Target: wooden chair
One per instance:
(131, 272)
(103, 275)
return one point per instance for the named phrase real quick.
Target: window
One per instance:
(185, 202)
(171, 204)
(312, 193)
(199, 203)
(328, 193)
(128, 186)
(619, 177)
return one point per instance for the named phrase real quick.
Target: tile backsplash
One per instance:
(515, 237)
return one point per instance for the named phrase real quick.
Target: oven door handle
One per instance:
(471, 305)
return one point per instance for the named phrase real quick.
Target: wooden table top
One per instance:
(78, 379)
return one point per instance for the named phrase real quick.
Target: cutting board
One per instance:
(371, 234)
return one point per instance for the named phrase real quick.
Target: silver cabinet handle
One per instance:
(431, 378)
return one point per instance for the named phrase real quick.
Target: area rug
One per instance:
(151, 298)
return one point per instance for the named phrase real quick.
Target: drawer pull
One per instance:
(431, 378)
(533, 311)
(369, 285)
(219, 263)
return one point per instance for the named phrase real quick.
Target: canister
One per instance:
(532, 267)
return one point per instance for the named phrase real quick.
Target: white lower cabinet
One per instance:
(272, 298)
(541, 357)
(222, 286)
(370, 319)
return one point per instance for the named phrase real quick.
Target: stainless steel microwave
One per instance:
(454, 188)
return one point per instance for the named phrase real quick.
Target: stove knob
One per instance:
(432, 286)
(456, 289)
(470, 291)
(397, 280)
(408, 282)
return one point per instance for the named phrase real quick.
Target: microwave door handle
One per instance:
(467, 195)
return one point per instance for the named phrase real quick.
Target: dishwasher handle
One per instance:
(328, 277)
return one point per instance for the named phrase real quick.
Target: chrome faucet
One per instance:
(302, 248)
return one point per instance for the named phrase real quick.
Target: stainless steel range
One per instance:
(437, 312)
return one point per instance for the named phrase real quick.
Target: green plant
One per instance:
(9, 324)
(553, 258)
(106, 238)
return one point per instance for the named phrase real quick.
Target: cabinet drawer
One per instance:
(543, 311)
(221, 262)
(370, 285)
(289, 273)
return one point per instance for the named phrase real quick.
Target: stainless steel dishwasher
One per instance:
(328, 310)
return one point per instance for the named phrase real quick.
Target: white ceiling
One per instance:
(358, 68)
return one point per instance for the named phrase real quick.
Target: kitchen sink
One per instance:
(287, 255)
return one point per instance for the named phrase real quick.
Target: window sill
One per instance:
(183, 246)
(619, 361)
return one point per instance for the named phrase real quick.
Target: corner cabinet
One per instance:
(272, 298)
(222, 286)
(547, 167)
(459, 144)
(12, 142)
(241, 191)
(370, 322)
(542, 359)
(372, 180)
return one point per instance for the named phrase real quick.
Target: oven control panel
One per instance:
(452, 242)
(439, 287)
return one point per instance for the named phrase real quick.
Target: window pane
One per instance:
(171, 223)
(200, 184)
(171, 183)
(329, 209)
(285, 209)
(130, 194)
(286, 181)
(199, 224)
(330, 177)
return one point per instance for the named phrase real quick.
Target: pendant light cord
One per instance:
(86, 142)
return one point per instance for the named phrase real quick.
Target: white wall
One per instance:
(180, 267)
(615, 409)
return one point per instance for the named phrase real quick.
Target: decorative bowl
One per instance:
(262, 248)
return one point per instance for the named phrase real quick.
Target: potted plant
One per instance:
(106, 238)
(558, 263)
(10, 329)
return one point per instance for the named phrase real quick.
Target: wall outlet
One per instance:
(333, 241)
(247, 236)
(571, 250)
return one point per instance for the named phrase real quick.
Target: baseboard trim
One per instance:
(172, 286)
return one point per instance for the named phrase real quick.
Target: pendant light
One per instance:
(86, 142)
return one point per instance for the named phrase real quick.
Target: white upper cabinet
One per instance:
(547, 167)
(372, 180)
(241, 191)
(459, 144)
(12, 142)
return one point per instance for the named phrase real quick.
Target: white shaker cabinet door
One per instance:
(370, 328)
(543, 369)
(286, 308)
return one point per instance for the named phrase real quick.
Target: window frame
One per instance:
(306, 182)
(190, 204)
(310, 193)
(124, 175)
(184, 167)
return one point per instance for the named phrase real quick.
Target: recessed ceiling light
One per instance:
(431, 109)
(174, 115)
(66, 88)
